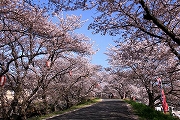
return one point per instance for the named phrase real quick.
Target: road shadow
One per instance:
(111, 109)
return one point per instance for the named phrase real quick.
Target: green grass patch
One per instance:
(146, 113)
(78, 106)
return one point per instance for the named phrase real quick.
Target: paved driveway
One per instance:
(110, 109)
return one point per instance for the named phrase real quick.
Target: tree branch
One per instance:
(156, 21)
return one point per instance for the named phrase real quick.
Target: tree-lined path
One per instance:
(110, 109)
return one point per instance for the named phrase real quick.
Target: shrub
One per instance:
(147, 113)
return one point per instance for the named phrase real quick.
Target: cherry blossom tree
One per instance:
(135, 20)
(156, 21)
(28, 40)
(145, 65)
(138, 20)
(118, 81)
(71, 88)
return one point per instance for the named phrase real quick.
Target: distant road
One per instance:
(108, 109)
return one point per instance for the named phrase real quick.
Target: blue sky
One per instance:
(100, 41)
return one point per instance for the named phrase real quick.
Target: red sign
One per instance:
(2, 80)
(48, 63)
(159, 82)
(164, 103)
(70, 73)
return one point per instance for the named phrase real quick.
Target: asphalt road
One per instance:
(109, 109)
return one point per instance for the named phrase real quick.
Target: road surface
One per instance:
(110, 109)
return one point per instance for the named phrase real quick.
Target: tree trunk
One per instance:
(151, 98)
(3, 109)
(45, 103)
(67, 102)
(22, 112)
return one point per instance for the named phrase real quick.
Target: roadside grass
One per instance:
(75, 107)
(146, 113)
